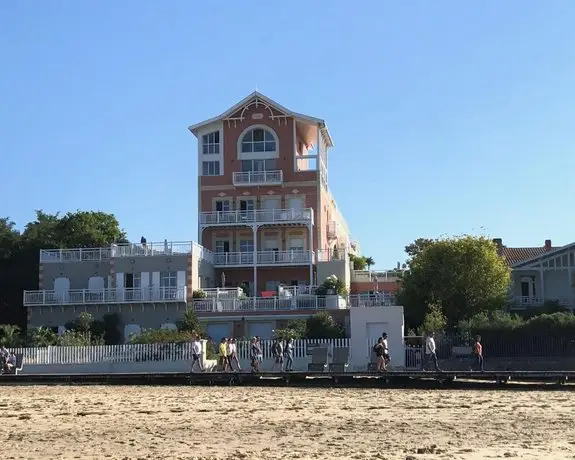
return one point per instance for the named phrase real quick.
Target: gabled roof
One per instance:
(516, 255)
(256, 95)
(543, 255)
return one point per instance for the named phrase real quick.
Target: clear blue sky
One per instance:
(448, 117)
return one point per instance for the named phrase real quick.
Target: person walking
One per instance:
(378, 350)
(278, 356)
(478, 352)
(233, 355)
(197, 354)
(223, 355)
(288, 352)
(386, 357)
(430, 353)
(254, 355)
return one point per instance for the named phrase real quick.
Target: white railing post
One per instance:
(83, 296)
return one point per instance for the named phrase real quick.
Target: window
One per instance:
(222, 246)
(211, 143)
(247, 205)
(222, 205)
(210, 168)
(246, 246)
(169, 279)
(296, 244)
(258, 165)
(258, 140)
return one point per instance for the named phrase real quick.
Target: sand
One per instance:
(138, 422)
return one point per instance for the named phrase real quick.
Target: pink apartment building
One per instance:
(265, 209)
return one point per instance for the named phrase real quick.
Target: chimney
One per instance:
(548, 246)
(499, 243)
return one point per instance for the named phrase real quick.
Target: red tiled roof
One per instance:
(516, 255)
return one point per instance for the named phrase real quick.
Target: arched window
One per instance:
(258, 140)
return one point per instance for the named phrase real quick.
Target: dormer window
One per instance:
(258, 140)
(211, 143)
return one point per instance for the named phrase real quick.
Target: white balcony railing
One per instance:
(260, 216)
(364, 276)
(166, 248)
(263, 258)
(105, 296)
(372, 300)
(524, 302)
(258, 178)
(300, 302)
(233, 258)
(285, 257)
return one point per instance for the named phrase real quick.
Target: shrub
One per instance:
(323, 326)
(434, 320)
(199, 294)
(332, 285)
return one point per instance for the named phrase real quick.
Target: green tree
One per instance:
(434, 320)
(295, 329)
(369, 262)
(417, 246)
(10, 335)
(189, 323)
(358, 262)
(323, 326)
(42, 337)
(19, 251)
(463, 274)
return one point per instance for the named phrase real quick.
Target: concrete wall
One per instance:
(146, 315)
(144, 367)
(77, 272)
(368, 323)
(338, 268)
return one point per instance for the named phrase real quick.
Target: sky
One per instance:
(448, 117)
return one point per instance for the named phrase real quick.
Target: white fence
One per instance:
(134, 353)
(176, 357)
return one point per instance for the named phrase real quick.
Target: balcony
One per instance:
(264, 258)
(261, 216)
(524, 302)
(124, 250)
(105, 296)
(300, 302)
(254, 178)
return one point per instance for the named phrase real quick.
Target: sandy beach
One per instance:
(137, 422)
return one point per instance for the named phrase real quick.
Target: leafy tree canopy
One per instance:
(19, 251)
(464, 275)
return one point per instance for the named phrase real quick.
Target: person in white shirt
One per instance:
(233, 355)
(386, 357)
(430, 355)
(197, 354)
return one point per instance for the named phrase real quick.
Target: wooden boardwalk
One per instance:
(344, 379)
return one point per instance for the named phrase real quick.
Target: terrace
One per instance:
(164, 248)
(104, 296)
(300, 302)
(264, 258)
(259, 216)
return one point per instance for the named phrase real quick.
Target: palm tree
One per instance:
(369, 262)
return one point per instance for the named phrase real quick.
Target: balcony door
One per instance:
(247, 210)
(221, 250)
(295, 204)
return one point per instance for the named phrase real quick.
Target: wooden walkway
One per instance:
(351, 379)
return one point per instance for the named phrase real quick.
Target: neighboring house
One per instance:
(268, 226)
(541, 274)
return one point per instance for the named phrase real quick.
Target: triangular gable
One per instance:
(236, 113)
(534, 262)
